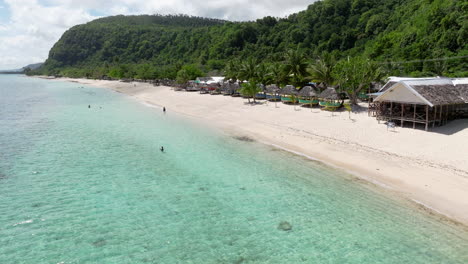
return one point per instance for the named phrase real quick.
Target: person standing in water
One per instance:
(164, 109)
(89, 106)
(162, 149)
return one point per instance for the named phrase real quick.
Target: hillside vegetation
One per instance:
(156, 46)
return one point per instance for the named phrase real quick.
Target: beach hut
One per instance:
(372, 107)
(225, 89)
(192, 86)
(308, 96)
(272, 92)
(235, 87)
(262, 94)
(231, 89)
(330, 99)
(431, 101)
(288, 94)
(214, 88)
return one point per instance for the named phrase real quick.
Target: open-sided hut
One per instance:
(229, 88)
(308, 95)
(330, 99)
(426, 101)
(272, 92)
(235, 87)
(214, 88)
(262, 93)
(392, 80)
(287, 94)
(192, 86)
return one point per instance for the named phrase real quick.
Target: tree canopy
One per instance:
(389, 32)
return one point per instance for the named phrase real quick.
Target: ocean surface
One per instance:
(90, 185)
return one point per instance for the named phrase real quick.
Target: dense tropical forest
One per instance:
(330, 38)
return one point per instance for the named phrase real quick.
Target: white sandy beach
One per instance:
(430, 168)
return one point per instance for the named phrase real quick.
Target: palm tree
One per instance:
(248, 70)
(250, 89)
(321, 70)
(278, 74)
(232, 69)
(262, 74)
(296, 65)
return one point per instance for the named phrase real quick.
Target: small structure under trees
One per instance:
(330, 99)
(425, 101)
(308, 95)
(288, 94)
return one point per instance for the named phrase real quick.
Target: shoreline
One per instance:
(439, 186)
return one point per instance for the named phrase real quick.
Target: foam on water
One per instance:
(104, 193)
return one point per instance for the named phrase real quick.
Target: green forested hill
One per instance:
(383, 31)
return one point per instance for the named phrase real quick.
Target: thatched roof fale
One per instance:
(309, 91)
(272, 89)
(439, 94)
(288, 90)
(432, 92)
(329, 94)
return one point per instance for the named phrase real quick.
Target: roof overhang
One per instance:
(402, 93)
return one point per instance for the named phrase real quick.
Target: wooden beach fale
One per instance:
(428, 101)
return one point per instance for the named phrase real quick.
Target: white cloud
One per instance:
(35, 25)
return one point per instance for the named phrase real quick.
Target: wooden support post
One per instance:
(414, 117)
(440, 115)
(427, 117)
(447, 115)
(402, 111)
(391, 106)
(435, 115)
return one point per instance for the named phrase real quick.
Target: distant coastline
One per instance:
(425, 173)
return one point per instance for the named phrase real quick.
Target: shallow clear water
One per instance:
(89, 185)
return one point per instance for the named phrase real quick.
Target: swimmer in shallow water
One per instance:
(162, 149)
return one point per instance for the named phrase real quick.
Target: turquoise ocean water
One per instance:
(89, 185)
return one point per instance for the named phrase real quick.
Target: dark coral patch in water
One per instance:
(285, 226)
(100, 242)
(244, 138)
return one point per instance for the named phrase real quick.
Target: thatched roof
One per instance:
(272, 88)
(463, 89)
(309, 91)
(439, 94)
(288, 90)
(330, 94)
(432, 92)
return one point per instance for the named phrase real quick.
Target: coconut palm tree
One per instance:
(296, 65)
(262, 74)
(278, 74)
(248, 70)
(250, 89)
(321, 71)
(232, 69)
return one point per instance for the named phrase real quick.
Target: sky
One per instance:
(29, 28)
